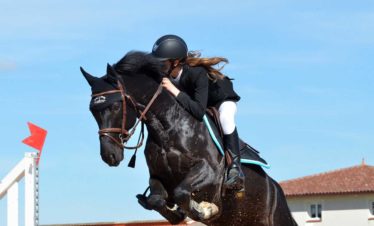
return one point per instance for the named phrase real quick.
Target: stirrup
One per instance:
(235, 182)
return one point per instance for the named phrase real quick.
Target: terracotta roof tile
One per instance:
(357, 179)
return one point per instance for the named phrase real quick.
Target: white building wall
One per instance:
(337, 210)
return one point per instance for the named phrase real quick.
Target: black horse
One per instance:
(186, 170)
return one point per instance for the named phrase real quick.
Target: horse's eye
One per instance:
(116, 106)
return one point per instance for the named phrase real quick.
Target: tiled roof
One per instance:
(357, 179)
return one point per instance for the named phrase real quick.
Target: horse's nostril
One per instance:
(112, 158)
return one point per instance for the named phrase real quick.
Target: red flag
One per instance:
(37, 138)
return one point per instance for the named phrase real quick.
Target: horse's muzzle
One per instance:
(111, 153)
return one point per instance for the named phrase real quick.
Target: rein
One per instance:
(123, 134)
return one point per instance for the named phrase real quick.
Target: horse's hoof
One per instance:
(204, 210)
(142, 200)
(208, 209)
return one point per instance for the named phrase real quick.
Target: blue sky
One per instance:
(304, 70)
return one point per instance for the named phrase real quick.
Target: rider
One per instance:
(196, 85)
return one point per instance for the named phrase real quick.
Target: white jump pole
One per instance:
(31, 190)
(12, 204)
(9, 186)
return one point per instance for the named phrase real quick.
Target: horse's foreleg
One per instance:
(158, 196)
(157, 201)
(200, 176)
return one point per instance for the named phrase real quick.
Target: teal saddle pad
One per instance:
(249, 155)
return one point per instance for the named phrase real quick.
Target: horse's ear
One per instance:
(90, 79)
(112, 75)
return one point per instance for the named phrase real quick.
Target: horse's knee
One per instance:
(158, 194)
(157, 188)
(181, 196)
(156, 202)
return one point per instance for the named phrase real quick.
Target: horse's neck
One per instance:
(170, 125)
(162, 120)
(156, 129)
(166, 121)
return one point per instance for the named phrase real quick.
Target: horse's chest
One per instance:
(171, 161)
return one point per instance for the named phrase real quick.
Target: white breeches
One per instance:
(227, 112)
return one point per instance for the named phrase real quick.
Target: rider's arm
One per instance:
(196, 104)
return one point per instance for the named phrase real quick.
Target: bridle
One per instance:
(123, 134)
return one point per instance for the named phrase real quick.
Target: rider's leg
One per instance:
(235, 177)
(227, 110)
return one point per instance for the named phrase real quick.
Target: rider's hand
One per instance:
(169, 86)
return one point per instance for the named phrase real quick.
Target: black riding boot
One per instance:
(235, 175)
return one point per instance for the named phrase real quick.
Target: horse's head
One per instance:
(114, 112)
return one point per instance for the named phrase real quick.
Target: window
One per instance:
(315, 211)
(371, 210)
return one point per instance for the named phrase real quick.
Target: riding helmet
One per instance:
(170, 47)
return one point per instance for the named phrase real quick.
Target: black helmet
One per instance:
(170, 47)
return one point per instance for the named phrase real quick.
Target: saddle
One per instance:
(249, 155)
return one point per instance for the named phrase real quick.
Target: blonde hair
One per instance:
(193, 59)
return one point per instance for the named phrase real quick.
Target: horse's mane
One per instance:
(135, 62)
